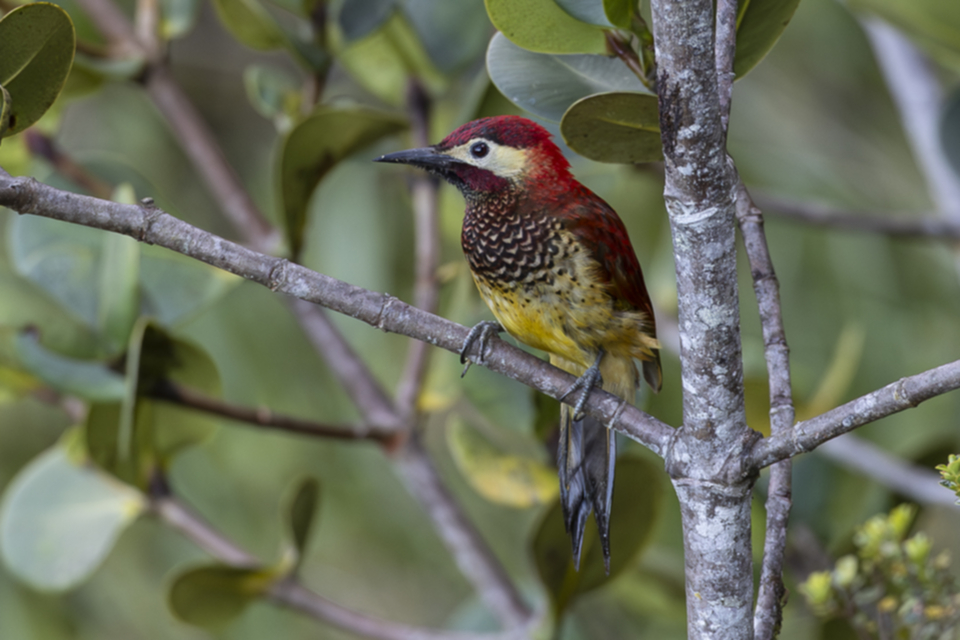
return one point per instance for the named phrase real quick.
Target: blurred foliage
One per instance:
(893, 586)
(301, 95)
(951, 474)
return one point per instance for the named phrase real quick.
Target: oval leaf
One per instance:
(177, 288)
(614, 127)
(250, 24)
(360, 18)
(274, 94)
(4, 111)
(453, 33)
(178, 17)
(36, 50)
(543, 27)
(759, 25)
(300, 512)
(636, 504)
(313, 147)
(213, 595)
(589, 11)
(546, 85)
(384, 61)
(132, 438)
(501, 478)
(60, 518)
(87, 379)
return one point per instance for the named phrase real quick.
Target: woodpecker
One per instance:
(554, 263)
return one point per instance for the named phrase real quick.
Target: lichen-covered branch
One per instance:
(768, 613)
(700, 195)
(149, 224)
(906, 393)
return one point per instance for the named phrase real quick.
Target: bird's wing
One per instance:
(603, 234)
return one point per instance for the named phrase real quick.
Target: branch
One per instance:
(924, 227)
(290, 592)
(769, 612)
(906, 393)
(187, 126)
(916, 92)
(917, 483)
(469, 550)
(354, 376)
(426, 293)
(172, 392)
(149, 224)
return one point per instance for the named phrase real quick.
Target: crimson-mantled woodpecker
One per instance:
(553, 262)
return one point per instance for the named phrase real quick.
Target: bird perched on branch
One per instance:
(553, 262)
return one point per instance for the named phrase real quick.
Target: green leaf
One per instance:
(36, 50)
(132, 438)
(65, 260)
(950, 131)
(934, 24)
(300, 512)
(759, 25)
(119, 289)
(4, 111)
(87, 379)
(314, 147)
(274, 94)
(502, 478)
(636, 504)
(360, 18)
(620, 12)
(250, 24)
(213, 595)
(384, 61)
(59, 519)
(589, 11)
(177, 288)
(453, 33)
(614, 127)
(178, 17)
(546, 85)
(88, 73)
(543, 27)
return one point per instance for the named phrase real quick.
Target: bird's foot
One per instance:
(585, 384)
(482, 332)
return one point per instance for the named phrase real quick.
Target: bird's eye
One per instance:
(479, 149)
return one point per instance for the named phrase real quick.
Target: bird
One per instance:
(555, 265)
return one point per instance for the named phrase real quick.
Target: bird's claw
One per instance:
(590, 379)
(482, 332)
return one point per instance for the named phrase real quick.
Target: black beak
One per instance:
(426, 158)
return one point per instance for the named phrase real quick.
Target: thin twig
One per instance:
(923, 226)
(152, 225)
(622, 49)
(290, 592)
(188, 127)
(184, 396)
(205, 155)
(44, 146)
(917, 483)
(769, 609)
(427, 251)
(904, 394)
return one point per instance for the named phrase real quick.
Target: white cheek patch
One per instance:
(502, 161)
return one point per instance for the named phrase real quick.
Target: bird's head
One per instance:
(492, 156)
